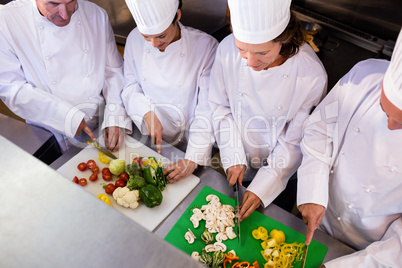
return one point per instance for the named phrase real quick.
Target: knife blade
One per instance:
(303, 262)
(237, 209)
(102, 149)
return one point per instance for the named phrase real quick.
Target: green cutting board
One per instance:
(250, 249)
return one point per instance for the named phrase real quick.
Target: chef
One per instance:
(59, 65)
(264, 83)
(350, 180)
(167, 67)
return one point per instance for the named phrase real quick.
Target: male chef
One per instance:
(59, 65)
(166, 69)
(350, 179)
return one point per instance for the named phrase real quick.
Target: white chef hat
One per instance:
(393, 76)
(153, 16)
(258, 21)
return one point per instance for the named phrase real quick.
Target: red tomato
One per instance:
(120, 183)
(107, 176)
(138, 160)
(82, 166)
(93, 177)
(124, 176)
(91, 163)
(75, 180)
(109, 189)
(95, 169)
(83, 182)
(105, 170)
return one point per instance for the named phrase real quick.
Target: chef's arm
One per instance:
(384, 253)
(225, 130)
(37, 106)
(115, 115)
(201, 138)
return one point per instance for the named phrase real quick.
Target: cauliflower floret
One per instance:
(126, 198)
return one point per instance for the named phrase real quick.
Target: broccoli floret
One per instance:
(135, 182)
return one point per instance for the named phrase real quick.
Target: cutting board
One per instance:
(147, 217)
(250, 247)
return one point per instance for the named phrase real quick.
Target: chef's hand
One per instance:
(236, 173)
(114, 138)
(154, 129)
(179, 170)
(312, 216)
(322, 266)
(84, 127)
(249, 203)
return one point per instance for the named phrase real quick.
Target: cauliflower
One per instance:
(126, 198)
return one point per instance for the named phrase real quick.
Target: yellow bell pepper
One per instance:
(278, 235)
(260, 233)
(103, 158)
(104, 198)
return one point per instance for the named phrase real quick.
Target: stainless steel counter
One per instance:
(217, 181)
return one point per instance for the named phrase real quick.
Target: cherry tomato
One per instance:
(105, 170)
(95, 169)
(109, 189)
(107, 176)
(91, 163)
(124, 176)
(75, 180)
(93, 177)
(138, 160)
(83, 182)
(82, 166)
(120, 183)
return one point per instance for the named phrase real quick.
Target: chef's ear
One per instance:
(178, 15)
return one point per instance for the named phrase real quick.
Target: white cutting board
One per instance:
(149, 218)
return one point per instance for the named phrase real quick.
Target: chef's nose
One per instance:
(154, 42)
(393, 125)
(63, 12)
(252, 59)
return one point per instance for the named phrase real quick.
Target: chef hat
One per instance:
(153, 16)
(393, 76)
(258, 21)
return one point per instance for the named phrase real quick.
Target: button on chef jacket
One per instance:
(259, 115)
(173, 84)
(352, 166)
(56, 76)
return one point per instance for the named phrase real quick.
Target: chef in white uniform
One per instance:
(264, 83)
(350, 180)
(166, 68)
(59, 64)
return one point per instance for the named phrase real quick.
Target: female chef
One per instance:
(167, 67)
(264, 83)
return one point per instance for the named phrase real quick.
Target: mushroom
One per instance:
(195, 255)
(210, 248)
(219, 246)
(221, 237)
(189, 236)
(230, 233)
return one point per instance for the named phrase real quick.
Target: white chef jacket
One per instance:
(352, 166)
(173, 84)
(56, 76)
(260, 114)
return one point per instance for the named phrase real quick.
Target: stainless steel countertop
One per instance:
(30, 138)
(215, 180)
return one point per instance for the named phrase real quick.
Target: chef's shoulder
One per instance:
(370, 69)
(92, 10)
(308, 62)
(19, 8)
(198, 39)
(135, 39)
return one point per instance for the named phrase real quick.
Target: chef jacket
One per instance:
(258, 116)
(352, 166)
(56, 76)
(173, 84)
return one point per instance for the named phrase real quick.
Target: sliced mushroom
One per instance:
(190, 237)
(195, 255)
(219, 246)
(230, 233)
(221, 237)
(210, 248)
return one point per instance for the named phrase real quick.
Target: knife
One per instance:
(303, 262)
(237, 204)
(102, 149)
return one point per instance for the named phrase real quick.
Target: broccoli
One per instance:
(135, 182)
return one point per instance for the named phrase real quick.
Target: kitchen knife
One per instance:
(303, 262)
(237, 209)
(102, 149)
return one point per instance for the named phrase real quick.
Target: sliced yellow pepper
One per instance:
(278, 235)
(260, 233)
(103, 158)
(104, 198)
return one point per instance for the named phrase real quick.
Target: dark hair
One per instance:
(291, 38)
(179, 7)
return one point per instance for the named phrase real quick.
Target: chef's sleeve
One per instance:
(201, 138)
(134, 99)
(384, 253)
(226, 133)
(115, 113)
(37, 106)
